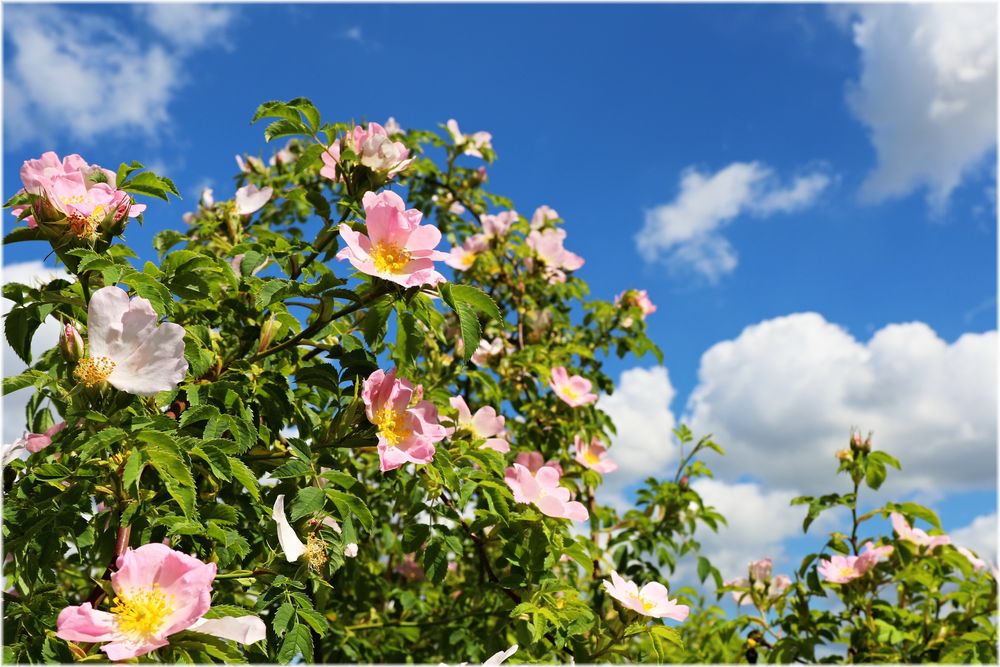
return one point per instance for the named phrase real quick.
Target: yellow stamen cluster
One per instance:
(92, 371)
(315, 552)
(646, 604)
(570, 393)
(389, 257)
(142, 611)
(847, 571)
(392, 425)
(85, 226)
(590, 457)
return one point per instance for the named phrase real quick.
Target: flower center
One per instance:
(571, 393)
(143, 611)
(590, 457)
(315, 552)
(847, 571)
(93, 371)
(646, 604)
(392, 425)
(389, 257)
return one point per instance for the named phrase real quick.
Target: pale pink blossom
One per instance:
(486, 425)
(397, 247)
(760, 570)
(207, 199)
(463, 257)
(351, 550)
(497, 225)
(289, 540)
(405, 433)
(977, 563)
(651, 600)
(637, 298)
(842, 569)
(778, 586)
(741, 596)
(542, 490)
(128, 347)
(36, 442)
(533, 461)
(871, 554)
(392, 127)
(574, 391)
(593, 455)
(283, 156)
(555, 259)
(249, 199)
(374, 149)
(250, 165)
(158, 592)
(916, 535)
(541, 215)
(487, 350)
(472, 144)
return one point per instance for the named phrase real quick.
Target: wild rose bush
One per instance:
(295, 435)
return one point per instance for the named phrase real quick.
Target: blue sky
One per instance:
(773, 161)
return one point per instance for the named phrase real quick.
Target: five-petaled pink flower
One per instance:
(374, 149)
(637, 298)
(497, 225)
(542, 215)
(158, 592)
(594, 455)
(472, 144)
(555, 259)
(542, 490)
(464, 256)
(486, 425)
(128, 348)
(651, 600)
(84, 209)
(574, 391)
(916, 535)
(405, 433)
(842, 569)
(397, 247)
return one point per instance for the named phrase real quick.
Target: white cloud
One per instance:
(29, 273)
(686, 233)
(780, 398)
(68, 71)
(980, 536)
(353, 33)
(188, 26)
(927, 92)
(758, 523)
(644, 445)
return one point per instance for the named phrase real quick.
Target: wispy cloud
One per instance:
(686, 233)
(72, 72)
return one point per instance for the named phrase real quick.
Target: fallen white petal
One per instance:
(290, 542)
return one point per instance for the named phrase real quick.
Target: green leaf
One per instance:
(293, 468)
(477, 299)
(348, 503)
(25, 379)
(704, 568)
(19, 326)
(298, 640)
(245, 476)
(133, 468)
(315, 620)
(282, 618)
(284, 128)
(307, 501)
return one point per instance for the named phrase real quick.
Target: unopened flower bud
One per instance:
(843, 454)
(207, 198)
(761, 570)
(71, 344)
(684, 482)
(267, 333)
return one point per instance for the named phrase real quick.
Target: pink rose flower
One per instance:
(651, 600)
(574, 391)
(742, 595)
(84, 204)
(351, 550)
(842, 569)
(760, 570)
(249, 199)
(977, 563)
(158, 592)
(533, 461)
(463, 257)
(872, 554)
(397, 247)
(497, 226)
(555, 259)
(472, 144)
(405, 433)
(36, 442)
(485, 425)
(541, 215)
(129, 349)
(916, 535)
(778, 586)
(486, 350)
(594, 455)
(637, 298)
(374, 149)
(392, 127)
(542, 490)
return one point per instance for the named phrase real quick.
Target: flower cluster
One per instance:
(484, 425)
(471, 144)
(72, 192)
(374, 149)
(554, 258)
(540, 487)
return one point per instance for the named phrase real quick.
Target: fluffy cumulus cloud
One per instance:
(90, 75)
(927, 92)
(758, 520)
(644, 445)
(980, 536)
(29, 273)
(782, 395)
(686, 233)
